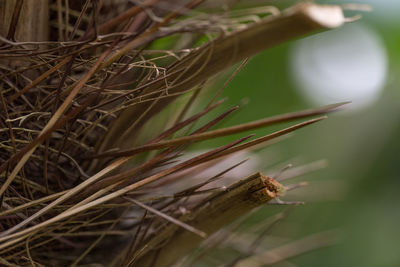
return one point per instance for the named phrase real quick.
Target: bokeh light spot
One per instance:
(347, 64)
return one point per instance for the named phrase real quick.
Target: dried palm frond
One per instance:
(86, 88)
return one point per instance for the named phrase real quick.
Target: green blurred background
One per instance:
(359, 192)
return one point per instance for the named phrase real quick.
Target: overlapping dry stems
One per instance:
(75, 101)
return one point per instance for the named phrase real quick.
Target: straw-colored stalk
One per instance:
(211, 215)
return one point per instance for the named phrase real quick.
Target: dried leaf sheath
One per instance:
(212, 214)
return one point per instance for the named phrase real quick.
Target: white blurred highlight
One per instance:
(347, 64)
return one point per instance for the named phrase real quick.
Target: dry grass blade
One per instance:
(39, 79)
(265, 138)
(116, 179)
(169, 218)
(190, 190)
(222, 132)
(6, 235)
(68, 194)
(31, 203)
(184, 123)
(290, 250)
(107, 26)
(251, 250)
